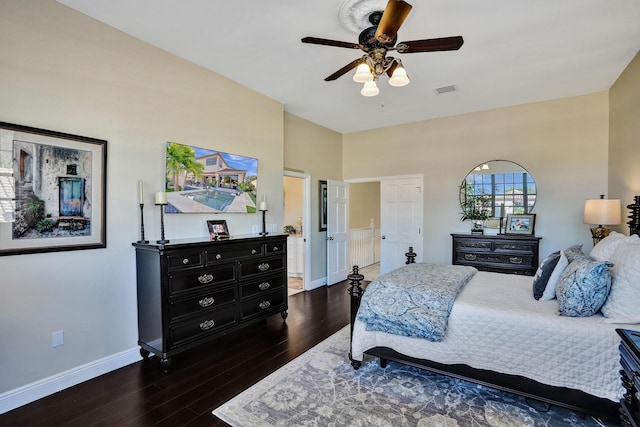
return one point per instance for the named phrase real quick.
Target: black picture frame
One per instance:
(322, 204)
(520, 224)
(57, 197)
(218, 229)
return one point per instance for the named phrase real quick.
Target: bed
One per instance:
(498, 335)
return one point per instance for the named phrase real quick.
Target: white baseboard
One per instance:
(42, 388)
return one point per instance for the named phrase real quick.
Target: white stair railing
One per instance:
(364, 246)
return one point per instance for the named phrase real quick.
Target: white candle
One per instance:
(141, 191)
(161, 198)
(263, 206)
(502, 210)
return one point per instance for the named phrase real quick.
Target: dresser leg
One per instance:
(284, 314)
(144, 353)
(165, 364)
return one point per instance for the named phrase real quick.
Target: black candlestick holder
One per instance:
(500, 227)
(162, 240)
(264, 225)
(142, 239)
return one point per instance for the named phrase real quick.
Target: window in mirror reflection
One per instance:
(516, 191)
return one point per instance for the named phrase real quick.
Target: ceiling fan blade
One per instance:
(430, 45)
(326, 42)
(350, 66)
(394, 15)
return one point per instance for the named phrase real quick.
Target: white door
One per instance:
(337, 231)
(401, 201)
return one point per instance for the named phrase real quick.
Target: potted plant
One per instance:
(476, 209)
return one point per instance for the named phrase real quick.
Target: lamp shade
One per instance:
(363, 74)
(370, 89)
(602, 211)
(399, 77)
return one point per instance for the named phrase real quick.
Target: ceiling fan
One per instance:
(379, 39)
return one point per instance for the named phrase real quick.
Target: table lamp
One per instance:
(601, 211)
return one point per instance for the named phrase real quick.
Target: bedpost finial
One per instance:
(411, 256)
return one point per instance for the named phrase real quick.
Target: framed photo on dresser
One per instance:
(520, 224)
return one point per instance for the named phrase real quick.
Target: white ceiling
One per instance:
(515, 51)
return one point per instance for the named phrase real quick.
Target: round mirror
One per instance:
(495, 189)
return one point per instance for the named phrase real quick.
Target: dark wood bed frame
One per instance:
(569, 398)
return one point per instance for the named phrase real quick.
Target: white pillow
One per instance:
(550, 291)
(607, 246)
(623, 303)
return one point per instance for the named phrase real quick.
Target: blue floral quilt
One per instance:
(414, 300)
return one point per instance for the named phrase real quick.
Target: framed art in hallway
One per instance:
(52, 191)
(322, 203)
(520, 224)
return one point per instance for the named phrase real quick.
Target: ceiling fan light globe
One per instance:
(399, 77)
(370, 89)
(363, 74)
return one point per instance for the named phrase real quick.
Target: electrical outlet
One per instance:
(57, 338)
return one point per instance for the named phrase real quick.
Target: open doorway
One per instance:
(296, 216)
(364, 228)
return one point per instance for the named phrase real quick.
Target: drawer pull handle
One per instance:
(470, 257)
(264, 305)
(276, 249)
(264, 266)
(264, 286)
(206, 302)
(515, 260)
(207, 324)
(491, 259)
(253, 251)
(218, 256)
(185, 261)
(205, 278)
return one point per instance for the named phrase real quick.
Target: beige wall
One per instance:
(562, 143)
(364, 204)
(624, 138)
(62, 71)
(317, 151)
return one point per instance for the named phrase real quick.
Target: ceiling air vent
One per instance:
(445, 89)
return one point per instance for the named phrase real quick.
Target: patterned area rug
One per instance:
(320, 388)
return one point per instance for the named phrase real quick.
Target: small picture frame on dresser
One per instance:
(520, 224)
(218, 229)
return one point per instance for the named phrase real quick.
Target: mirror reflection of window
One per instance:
(502, 187)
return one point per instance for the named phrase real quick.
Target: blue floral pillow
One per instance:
(583, 287)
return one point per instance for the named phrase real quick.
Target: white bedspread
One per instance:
(496, 324)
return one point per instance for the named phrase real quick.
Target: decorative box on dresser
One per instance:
(193, 290)
(504, 253)
(630, 373)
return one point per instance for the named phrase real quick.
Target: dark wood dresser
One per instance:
(514, 254)
(193, 290)
(630, 373)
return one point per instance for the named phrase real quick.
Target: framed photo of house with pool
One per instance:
(202, 180)
(52, 191)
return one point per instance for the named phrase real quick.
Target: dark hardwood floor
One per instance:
(200, 379)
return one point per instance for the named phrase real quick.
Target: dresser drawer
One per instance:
(275, 248)
(207, 323)
(225, 253)
(206, 301)
(201, 278)
(496, 258)
(185, 260)
(261, 286)
(524, 247)
(476, 245)
(265, 265)
(263, 303)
